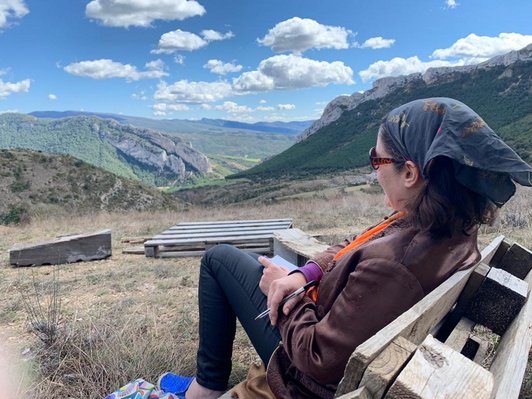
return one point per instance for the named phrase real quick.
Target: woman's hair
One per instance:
(444, 203)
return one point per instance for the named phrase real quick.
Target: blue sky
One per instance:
(235, 59)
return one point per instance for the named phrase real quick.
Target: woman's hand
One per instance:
(270, 273)
(279, 289)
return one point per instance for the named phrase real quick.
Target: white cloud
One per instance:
(184, 91)
(125, 13)
(179, 59)
(108, 69)
(233, 108)
(163, 107)
(157, 65)
(291, 71)
(263, 108)
(212, 35)
(179, 40)
(300, 34)
(286, 107)
(378, 42)
(217, 66)
(139, 96)
(206, 106)
(483, 47)
(400, 66)
(11, 9)
(451, 3)
(263, 102)
(159, 113)
(7, 88)
(52, 97)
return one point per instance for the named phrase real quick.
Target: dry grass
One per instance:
(130, 316)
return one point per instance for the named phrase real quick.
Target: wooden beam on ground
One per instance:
(437, 371)
(517, 261)
(64, 249)
(382, 371)
(509, 365)
(498, 300)
(413, 325)
(133, 250)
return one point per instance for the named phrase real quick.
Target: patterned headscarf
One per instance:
(424, 129)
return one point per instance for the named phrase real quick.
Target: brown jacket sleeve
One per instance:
(324, 259)
(376, 293)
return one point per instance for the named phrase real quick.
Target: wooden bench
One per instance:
(194, 238)
(405, 360)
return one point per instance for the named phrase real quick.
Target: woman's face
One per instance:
(398, 190)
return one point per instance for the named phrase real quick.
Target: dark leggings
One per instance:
(229, 288)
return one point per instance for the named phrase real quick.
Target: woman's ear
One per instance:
(412, 174)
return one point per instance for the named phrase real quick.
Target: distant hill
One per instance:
(38, 183)
(231, 146)
(499, 90)
(127, 151)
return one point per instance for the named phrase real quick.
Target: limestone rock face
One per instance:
(382, 87)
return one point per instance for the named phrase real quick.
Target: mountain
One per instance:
(215, 138)
(32, 182)
(127, 151)
(499, 90)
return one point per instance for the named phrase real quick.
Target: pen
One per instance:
(288, 297)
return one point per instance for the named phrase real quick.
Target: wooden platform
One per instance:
(194, 238)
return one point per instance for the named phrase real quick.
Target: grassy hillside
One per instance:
(38, 183)
(501, 95)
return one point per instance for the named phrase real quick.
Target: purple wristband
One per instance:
(311, 271)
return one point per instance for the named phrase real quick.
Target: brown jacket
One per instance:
(358, 295)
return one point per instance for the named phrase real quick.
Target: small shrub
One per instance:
(15, 215)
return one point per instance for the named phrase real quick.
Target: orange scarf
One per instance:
(358, 241)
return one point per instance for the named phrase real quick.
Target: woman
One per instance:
(442, 170)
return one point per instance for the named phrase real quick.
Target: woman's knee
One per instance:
(218, 256)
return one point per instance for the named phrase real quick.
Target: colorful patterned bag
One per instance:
(140, 389)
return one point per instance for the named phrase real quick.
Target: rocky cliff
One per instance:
(432, 76)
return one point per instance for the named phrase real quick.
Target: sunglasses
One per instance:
(376, 161)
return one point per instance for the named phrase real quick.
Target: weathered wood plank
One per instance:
(509, 365)
(237, 233)
(296, 246)
(178, 254)
(236, 222)
(498, 300)
(229, 227)
(64, 249)
(437, 371)
(382, 371)
(517, 261)
(414, 324)
(210, 240)
(460, 334)
(360, 393)
(133, 250)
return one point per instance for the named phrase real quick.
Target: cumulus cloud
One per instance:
(108, 69)
(217, 66)
(212, 35)
(163, 107)
(483, 47)
(157, 65)
(264, 108)
(400, 66)
(300, 34)
(125, 13)
(378, 42)
(179, 40)
(11, 9)
(7, 88)
(451, 3)
(286, 107)
(292, 71)
(184, 91)
(52, 97)
(233, 108)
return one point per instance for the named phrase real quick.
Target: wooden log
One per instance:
(133, 251)
(382, 371)
(509, 365)
(296, 246)
(437, 371)
(498, 300)
(360, 393)
(413, 325)
(65, 249)
(517, 261)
